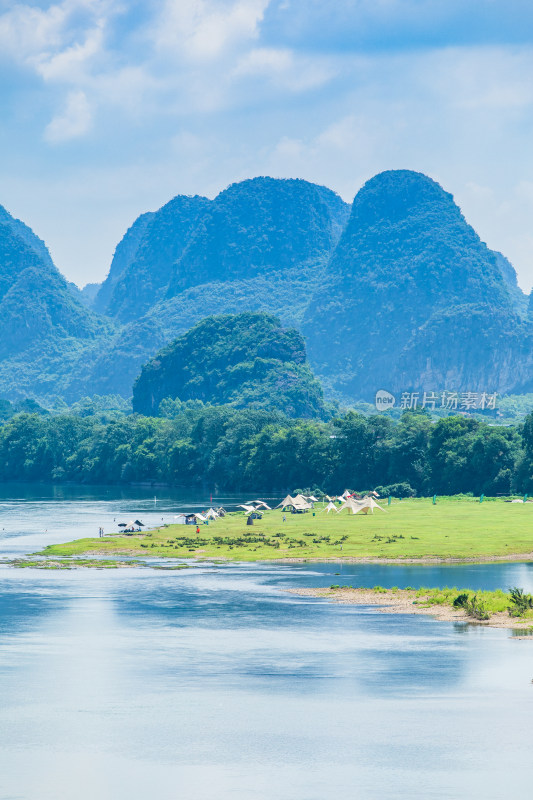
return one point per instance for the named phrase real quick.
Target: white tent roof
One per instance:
(364, 505)
(200, 517)
(211, 514)
(289, 501)
(247, 507)
(351, 505)
(330, 507)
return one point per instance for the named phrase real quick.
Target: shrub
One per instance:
(397, 490)
(473, 606)
(461, 600)
(521, 603)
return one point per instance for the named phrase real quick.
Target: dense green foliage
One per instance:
(407, 298)
(243, 448)
(415, 301)
(244, 360)
(154, 245)
(46, 332)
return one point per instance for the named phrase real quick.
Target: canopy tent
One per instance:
(364, 506)
(289, 501)
(330, 507)
(352, 505)
(301, 506)
(247, 507)
(262, 504)
(131, 525)
(211, 514)
(200, 517)
(186, 518)
(300, 499)
(371, 503)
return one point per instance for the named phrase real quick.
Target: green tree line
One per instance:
(237, 449)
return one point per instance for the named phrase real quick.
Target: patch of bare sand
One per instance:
(403, 602)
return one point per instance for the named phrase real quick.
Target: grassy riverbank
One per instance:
(456, 528)
(495, 609)
(86, 563)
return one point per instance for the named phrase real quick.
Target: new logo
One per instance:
(384, 400)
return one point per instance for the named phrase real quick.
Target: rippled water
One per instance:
(212, 683)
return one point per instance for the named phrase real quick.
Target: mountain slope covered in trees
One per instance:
(415, 300)
(399, 294)
(244, 360)
(44, 329)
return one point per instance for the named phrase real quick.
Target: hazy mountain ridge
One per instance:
(417, 301)
(146, 258)
(397, 292)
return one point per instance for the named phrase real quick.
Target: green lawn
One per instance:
(456, 527)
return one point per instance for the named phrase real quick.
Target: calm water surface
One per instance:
(212, 683)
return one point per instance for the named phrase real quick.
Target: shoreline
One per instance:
(423, 560)
(406, 601)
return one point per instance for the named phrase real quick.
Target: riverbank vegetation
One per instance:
(453, 529)
(511, 609)
(197, 445)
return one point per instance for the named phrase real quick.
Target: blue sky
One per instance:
(110, 108)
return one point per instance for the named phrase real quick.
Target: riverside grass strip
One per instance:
(455, 529)
(495, 609)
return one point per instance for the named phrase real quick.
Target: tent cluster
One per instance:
(255, 508)
(354, 503)
(351, 500)
(194, 517)
(299, 504)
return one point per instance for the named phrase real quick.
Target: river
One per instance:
(212, 683)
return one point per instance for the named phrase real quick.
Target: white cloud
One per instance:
(71, 64)
(285, 69)
(73, 122)
(205, 29)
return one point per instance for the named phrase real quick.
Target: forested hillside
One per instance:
(414, 300)
(402, 296)
(244, 360)
(44, 329)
